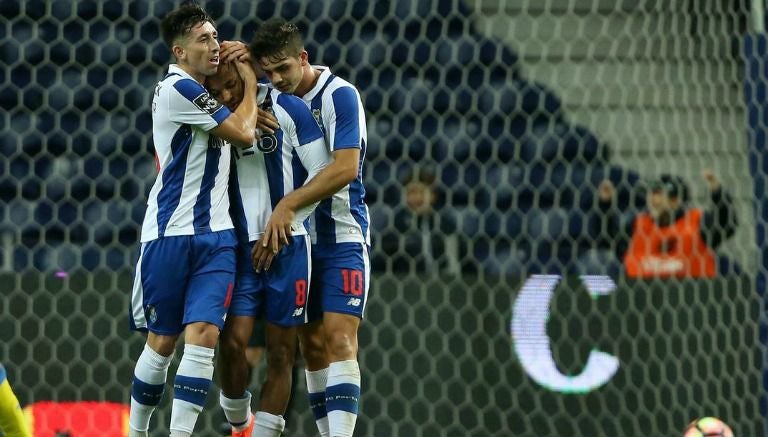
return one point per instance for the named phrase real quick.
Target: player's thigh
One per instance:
(340, 279)
(288, 284)
(250, 287)
(212, 280)
(160, 285)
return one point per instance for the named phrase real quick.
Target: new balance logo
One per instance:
(353, 301)
(298, 311)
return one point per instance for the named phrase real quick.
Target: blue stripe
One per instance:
(3, 375)
(191, 90)
(342, 397)
(236, 208)
(326, 229)
(173, 178)
(347, 109)
(317, 103)
(317, 404)
(274, 164)
(147, 394)
(299, 172)
(192, 390)
(307, 129)
(202, 209)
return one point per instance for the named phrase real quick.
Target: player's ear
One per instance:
(304, 57)
(178, 52)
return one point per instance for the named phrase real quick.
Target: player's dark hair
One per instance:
(276, 38)
(179, 22)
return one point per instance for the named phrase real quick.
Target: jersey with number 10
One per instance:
(337, 107)
(189, 195)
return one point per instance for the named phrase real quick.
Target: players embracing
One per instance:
(286, 155)
(339, 226)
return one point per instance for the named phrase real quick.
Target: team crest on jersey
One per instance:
(318, 118)
(206, 103)
(152, 313)
(267, 143)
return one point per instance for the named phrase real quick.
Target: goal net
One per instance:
(505, 141)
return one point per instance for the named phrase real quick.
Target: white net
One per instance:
(514, 112)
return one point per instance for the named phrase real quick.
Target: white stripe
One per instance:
(308, 242)
(137, 295)
(367, 275)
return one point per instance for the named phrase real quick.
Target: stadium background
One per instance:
(520, 107)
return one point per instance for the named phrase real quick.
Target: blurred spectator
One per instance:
(669, 238)
(422, 237)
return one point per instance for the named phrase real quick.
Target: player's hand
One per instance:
(267, 122)
(278, 230)
(261, 256)
(234, 51)
(712, 180)
(245, 69)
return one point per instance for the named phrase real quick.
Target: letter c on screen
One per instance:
(532, 344)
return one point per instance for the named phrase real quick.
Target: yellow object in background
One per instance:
(12, 420)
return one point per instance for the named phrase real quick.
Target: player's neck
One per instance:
(308, 81)
(199, 77)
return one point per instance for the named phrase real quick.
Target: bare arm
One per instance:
(240, 127)
(328, 182)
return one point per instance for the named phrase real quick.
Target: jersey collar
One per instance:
(324, 75)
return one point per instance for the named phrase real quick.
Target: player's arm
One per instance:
(346, 146)
(240, 127)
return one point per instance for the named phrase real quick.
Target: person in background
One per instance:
(420, 232)
(670, 238)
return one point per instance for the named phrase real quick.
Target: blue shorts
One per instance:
(278, 294)
(340, 277)
(183, 279)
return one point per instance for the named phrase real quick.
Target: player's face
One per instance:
(226, 86)
(199, 51)
(285, 72)
(419, 197)
(660, 203)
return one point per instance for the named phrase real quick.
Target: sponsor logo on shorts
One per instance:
(298, 311)
(354, 301)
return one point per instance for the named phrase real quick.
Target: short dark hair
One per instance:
(180, 22)
(276, 37)
(673, 186)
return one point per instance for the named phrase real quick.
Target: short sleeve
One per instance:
(190, 103)
(307, 129)
(345, 126)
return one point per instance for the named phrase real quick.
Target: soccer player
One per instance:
(12, 421)
(341, 239)
(277, 164)
(186, 266)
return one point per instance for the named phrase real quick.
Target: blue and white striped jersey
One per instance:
(337, 107)
(189, 195)
(276, 165)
